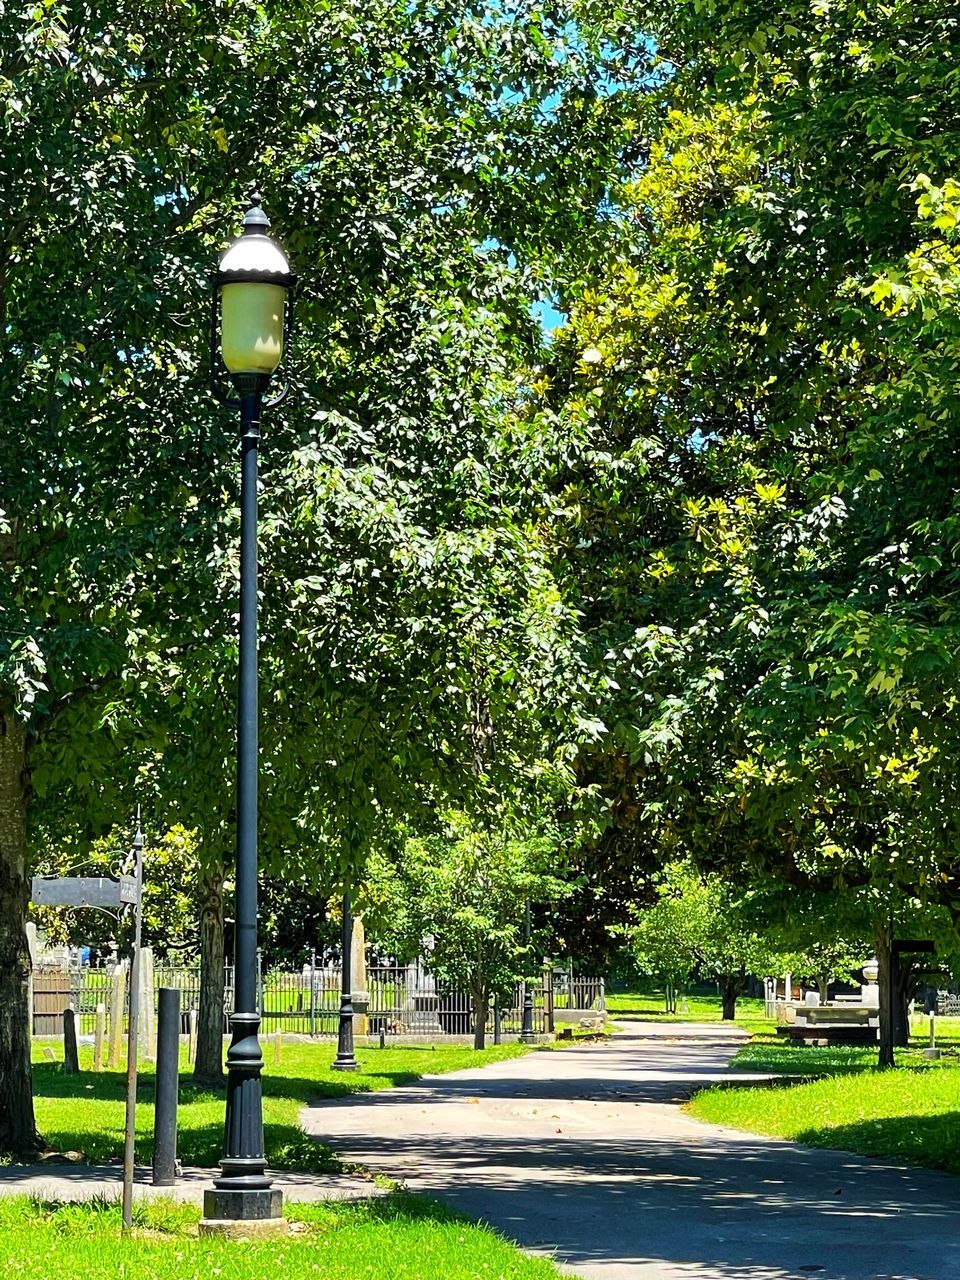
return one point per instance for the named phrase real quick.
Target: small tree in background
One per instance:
(467, 888)
(703, 924)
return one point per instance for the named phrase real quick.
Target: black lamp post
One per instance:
(527, 1033)
(250, 319)
(345, 1059)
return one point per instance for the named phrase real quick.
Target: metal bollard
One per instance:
(167, 1089)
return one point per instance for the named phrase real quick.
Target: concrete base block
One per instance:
(244, 1229)
(236, 1214)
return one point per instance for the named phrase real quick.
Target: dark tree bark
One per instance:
(481, 1002)
(208, 1068)
(18, 1130)
(883, 940)
(731, 985)
(904, 989)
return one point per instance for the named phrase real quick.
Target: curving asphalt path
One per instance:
(585, 1154)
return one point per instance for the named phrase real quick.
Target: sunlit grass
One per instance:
(910, 1113)
(85, 1112)
(396, 1237)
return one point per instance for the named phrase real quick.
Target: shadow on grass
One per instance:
(929, 1140)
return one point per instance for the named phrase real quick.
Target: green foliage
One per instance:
(700, 924)
(758, 411)
(461, 893)
(170, 893)
(400, 150)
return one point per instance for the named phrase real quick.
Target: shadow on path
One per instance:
(585, 1153)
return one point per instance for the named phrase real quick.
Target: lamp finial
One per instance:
(255, 222)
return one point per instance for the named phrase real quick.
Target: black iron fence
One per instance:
(401, 1000)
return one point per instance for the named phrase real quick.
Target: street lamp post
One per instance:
(527, 1034)
(252, 299)
(345, 1059)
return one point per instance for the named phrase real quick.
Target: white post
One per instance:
(192, 1036)
(99, 1036)
(117, 1004)
(147, 1018)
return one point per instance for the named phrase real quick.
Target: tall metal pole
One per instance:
(244, 1193)
(527, 1034)
(345, 1059)
(130, 1117)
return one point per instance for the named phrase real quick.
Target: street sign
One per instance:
(84, 891)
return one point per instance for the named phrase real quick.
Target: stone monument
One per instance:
(358, 978)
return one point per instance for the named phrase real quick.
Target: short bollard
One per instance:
(168, 1089)
(932, 1051)
(71, 1061)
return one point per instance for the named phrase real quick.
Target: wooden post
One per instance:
(32, 947)
(147, 1015)
(277, 1045)
(192, 1036)
(71, 1061)
(117, 1004)
(98, 1036)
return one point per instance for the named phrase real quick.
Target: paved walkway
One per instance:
(584, 1153)
(66, 1181)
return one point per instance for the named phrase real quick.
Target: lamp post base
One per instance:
(242, 1213)
(344, 1064)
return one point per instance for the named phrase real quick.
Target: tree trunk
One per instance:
(732, 985)
(481, 1001)
(18, 1130)
(904, 986)
(208, 1068)
(883, 940)
(823, 983)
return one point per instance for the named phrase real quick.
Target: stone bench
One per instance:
(825, 1034)
(858, 1015)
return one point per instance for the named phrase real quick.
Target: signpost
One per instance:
(111, 893)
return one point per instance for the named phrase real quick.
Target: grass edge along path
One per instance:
(910, 1114)
(84, 1113)
(395, 1237)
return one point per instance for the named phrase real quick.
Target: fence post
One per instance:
(313, 993)
(98, 1036)
(496, 1018)
(192, 1036)
(71, 1062)
(548, 1018)
(117, 1004)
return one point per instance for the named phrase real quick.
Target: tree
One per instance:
(412, 157)
(760, 488)
(704, 925)
(466, 888)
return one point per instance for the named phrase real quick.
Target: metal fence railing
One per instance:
(402, 1000)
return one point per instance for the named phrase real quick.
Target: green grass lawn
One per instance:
(85, 1112)
(650, 1008)
(397, 1237)
(911, 1113)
